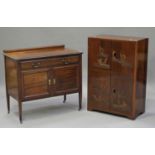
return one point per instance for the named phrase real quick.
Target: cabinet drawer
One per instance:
(40, 63)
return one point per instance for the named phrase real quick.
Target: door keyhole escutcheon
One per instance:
(54, 81)
(114, 54)
(114, 91)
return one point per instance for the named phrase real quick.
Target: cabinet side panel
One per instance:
(11, 77)
(141, 76)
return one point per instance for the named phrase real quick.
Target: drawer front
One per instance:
(41, 63)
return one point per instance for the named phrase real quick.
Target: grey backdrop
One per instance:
(76, 38)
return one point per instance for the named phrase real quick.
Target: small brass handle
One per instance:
(65, 61)
(36, 65)
(54, 81)
(49, 82)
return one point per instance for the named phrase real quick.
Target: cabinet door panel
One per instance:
(66, 79)
(99, 89)
(122, 71)
(99, 74)
(99, 54)
(35, 84)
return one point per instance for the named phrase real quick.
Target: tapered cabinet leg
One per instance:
(20, 112)
(8, 102)
(65, 97)
(80, 101)
(80, 84)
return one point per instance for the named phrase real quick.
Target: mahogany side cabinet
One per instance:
(117, 74)
(37, 73)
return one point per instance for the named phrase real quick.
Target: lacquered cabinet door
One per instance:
(99, 54)
(99, 74)
(99, 89)
(65, 79)
(122, 71)
(35, 84)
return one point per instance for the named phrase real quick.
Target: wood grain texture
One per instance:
(141, 76)
(35, 84)
(66, 79)
(49, 62)
(118, 38)
(117, 83)
(34, 53)
(99, 74)
(11, 77)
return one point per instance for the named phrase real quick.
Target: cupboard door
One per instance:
(99, 74)
(65, 79)
(99, 89)
(122, 75)
(99, 54)
(35, 84)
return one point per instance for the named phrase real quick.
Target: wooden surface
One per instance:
(42, 72)
(117, 75)
(48, 62)
(34, 53)
(118, 38)
(35, 84)
(11, 78)
(66, 78)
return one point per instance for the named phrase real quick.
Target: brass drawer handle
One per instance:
(65, 61)
(36, 65)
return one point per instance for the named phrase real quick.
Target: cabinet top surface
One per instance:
(119, 38)
(41, 52)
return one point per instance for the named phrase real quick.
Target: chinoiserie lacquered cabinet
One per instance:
(117, 74)
(38, 73)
